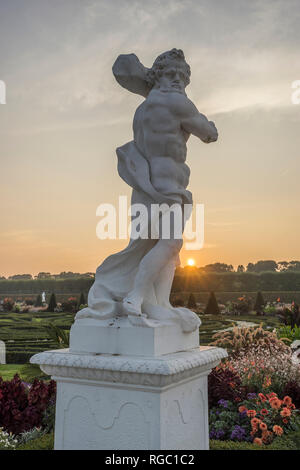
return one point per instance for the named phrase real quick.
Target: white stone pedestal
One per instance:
(126, 402)
(118, 336)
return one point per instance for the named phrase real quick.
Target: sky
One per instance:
(65, 114)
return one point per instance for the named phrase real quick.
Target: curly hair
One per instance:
(162, 61)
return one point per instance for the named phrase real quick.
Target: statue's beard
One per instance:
(169, 89)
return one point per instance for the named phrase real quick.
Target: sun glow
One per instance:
(191, 262)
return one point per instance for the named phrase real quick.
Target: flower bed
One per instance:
(254, 396)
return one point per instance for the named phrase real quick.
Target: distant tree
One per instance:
(218, 268)
(240, 269)
(259, 303)
(52, 303)
(38, 301)
(191, 302)
(212, 307)
(2, 278)
(81, 300)
(250, 268)
(262, 265)
(17, 277)
(283, 265)
(43, 275)
(293, 266)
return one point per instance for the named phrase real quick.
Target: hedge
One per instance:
(17, 357)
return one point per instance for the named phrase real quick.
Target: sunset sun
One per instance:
(191, 262)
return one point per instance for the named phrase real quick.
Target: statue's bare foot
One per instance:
(132, 306)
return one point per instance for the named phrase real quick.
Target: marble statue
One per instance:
(135, 375)
(137, 281)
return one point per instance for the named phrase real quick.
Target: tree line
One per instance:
(185, 280)
(258, 267)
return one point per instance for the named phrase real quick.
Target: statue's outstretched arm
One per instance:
(197, 124)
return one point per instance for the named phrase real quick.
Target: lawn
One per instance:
(27, 372)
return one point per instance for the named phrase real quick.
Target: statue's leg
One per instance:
(149, 269)
(163, 283)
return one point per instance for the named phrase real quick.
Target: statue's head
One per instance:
(170, 71)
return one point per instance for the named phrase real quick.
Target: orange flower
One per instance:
(285, 420)
(285, 412)
(255, 422)
(292, 406)
(278, 430)
(242, 408)
(267, 437)
(263, 426)
(271, 395)
(251, 413)
(232, 384)
(275, 403)
(287, 400)
(262, 397)
(257, 441)
(264, 412)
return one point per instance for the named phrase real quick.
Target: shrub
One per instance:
(259, 303)
(212, 307)
(262, 369)
(60, 337)
(46, 442)
(241, 339)
(7, 441)
(243, 305)
(38, 302)
(258, 419)
(22, 407)
(8, 304)
(191, 302)
(81, 299)
(292, 389)
(289, 334)
(70, 305)
(27, 436)
(291, 316)
(225, 422)
(224, 383)
(52, 303)
(82, 306)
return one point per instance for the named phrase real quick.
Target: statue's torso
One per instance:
(161, 139)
